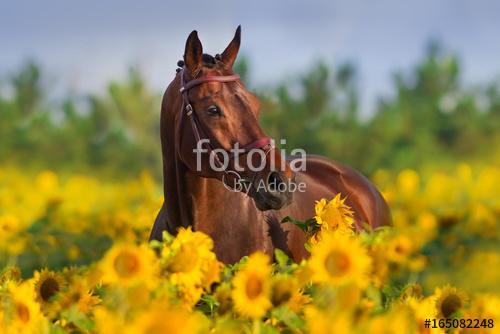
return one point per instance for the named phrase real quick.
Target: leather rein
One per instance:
(188, 111)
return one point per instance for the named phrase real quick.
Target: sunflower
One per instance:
(189, 260)
(252, 287)
(212, 269)
(79, 295)
(408, 182)
(107, 321)
(303, 274)
(485, 306)
(412, 290)
(297, 302)
(283, 288)
(189, 295)
(47, 285)
(70, 273)
(47, 181)
(399, 249)
(223, 297)
(347, 296)
(396, 321)
(449, 300)
(10, 225)
(162, 319)
(324, 321)
(334, 215)
(380, 266)
(10, 273)
(337, 260)
(126, 264)
(423, 308)
(24, 315)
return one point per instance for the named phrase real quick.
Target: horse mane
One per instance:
(207, 60)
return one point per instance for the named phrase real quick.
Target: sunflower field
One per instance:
(74, 259)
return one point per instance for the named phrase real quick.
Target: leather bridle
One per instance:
(265, 143)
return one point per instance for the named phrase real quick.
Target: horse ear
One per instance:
(228, 57)
(193, 53)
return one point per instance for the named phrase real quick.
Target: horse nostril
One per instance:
(274, 181)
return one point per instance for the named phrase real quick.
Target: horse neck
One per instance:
(230, 219)
(187, 196)
(183, 190)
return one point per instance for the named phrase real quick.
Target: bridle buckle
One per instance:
(189, 109)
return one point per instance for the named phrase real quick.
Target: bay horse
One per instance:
(207, 101)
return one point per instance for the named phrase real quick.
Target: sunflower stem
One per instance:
(256, 326)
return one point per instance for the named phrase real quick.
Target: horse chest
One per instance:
(235, 225)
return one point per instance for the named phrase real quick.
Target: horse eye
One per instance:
(214, 111)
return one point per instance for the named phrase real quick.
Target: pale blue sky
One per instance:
(84, 44)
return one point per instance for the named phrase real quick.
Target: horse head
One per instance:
(217, 134)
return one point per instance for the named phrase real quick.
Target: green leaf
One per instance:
(79, 319)
(167, 237)
(289, 318)
(281, 258)
(268, 329)
(207, 304)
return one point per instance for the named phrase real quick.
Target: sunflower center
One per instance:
(253, 287)
(126, 264)
(23, 312)
(450, 305)
(337, 263)
(281, 294)
(399, 249)
(333, 216)
(48, 288)
(184, 261)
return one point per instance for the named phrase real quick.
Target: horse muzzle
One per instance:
(273, 192)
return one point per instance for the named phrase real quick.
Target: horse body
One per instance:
(242, 223)
(238, 228)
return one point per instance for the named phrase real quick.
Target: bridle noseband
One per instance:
(264, 143)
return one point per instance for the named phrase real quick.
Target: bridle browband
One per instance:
(264, 143)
